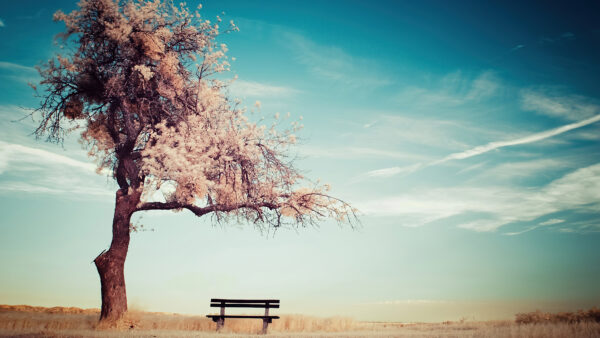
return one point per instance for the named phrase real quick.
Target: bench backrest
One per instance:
(247, 303)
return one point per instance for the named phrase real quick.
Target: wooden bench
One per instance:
(244, 303)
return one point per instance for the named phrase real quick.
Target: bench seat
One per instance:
(244, 303)
(239, 316)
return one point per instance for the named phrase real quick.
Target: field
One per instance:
(27, 321)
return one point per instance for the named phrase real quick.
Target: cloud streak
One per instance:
(387, 172)
(489, 208)
(352, 152)
(18, 153)
(256, 89)
(544, 101)
(480, 150)
(454, 89)
(523, 140)
(334, 64)
(31, 170)
(15, 71)
(16, 67)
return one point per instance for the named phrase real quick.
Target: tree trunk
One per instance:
(111, 263)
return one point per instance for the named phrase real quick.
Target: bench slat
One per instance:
(240, 316)
(221, 300)
(244, 303)
(262, 306)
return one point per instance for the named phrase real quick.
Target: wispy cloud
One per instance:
(404, 131)
(18, 72)
(542, 41)
(559, 38)
(71, 186)
(334, 64)
(552, 221)
(387, 172)
(509, 171)
(519, 141)
(483, 86)
(2, 23)
(32, 170)
(452, 90)
(16, 67)
(370, 124)
(471, 168)
(351, 152)
(16, 153)
(492, 207)
(256, 89)
(479, 150)
(546, 101)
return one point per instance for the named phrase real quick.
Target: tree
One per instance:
(137, 83)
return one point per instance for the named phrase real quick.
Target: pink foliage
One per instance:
(140, 83)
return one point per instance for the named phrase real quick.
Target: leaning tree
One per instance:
(136, 82)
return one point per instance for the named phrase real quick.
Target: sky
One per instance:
(467, 133)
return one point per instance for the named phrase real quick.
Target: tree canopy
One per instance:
(138, 82)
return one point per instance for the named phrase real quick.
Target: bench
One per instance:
(244, 303)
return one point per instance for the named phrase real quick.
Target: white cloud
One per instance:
(2, 23)
(512, 170)
(552, 221)
(405, 131)
(471, 168)
(519, 141)
(550, 103)
(484, 86)
(334, 64)
(17, 72)
(32, 170)
(352, 152)
(370, 124)
(479, 150)
(17, 153)
(548, 222)
(454, 89)
(72, 186)
(26, 187)
(494, 206)
(256, 89)
(16, 67)
(387, 172)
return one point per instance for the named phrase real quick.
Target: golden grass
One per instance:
(27, 321)
(506, 328)
(23, 317)
(591, 315)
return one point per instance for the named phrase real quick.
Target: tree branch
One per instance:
(199, 211)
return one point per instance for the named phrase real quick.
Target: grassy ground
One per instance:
(23, 321)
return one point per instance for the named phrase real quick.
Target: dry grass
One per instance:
(490, 329)
(29, 318)
(26, 321)
(537, 317)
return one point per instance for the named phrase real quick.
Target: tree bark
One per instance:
(111, 263)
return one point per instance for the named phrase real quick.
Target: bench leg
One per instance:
(220, 323)
(265, 326)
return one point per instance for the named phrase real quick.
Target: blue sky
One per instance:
(467, 134)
